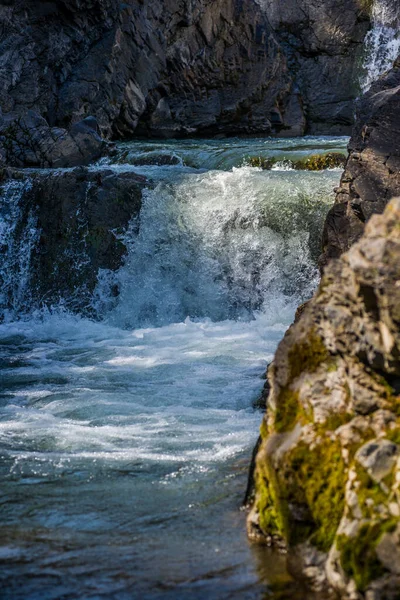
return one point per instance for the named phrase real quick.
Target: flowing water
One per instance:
(125, 440)
(382, 43)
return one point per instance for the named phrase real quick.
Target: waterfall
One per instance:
(382, 43)
(18, 238)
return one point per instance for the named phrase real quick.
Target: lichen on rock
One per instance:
(328, 469)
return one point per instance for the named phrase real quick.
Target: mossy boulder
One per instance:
(327, 474)
(315, 162)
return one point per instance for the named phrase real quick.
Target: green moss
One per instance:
(261, 162)
(334, 421)
(370, 494)
(288, 410)
(271, 506)
(358, 554)
(316, 162)
(317, 478)
(319, 162)
(393, 435)
(307, 356)
(264, 429)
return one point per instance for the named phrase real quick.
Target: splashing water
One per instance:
(382, 43)
(124, 443)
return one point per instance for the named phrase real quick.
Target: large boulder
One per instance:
(29, 141)
(328, 469)
(372, 174)
(79, 217)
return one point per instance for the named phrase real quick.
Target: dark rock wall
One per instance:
(183, 67)
(147, 67)
(372, 174)
(324, 43)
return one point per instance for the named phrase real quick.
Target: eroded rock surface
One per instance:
(372, 174)
(328, 471)
(324, 45)
(156, 68)
(81, 216)
(29, 141)
(182, 68)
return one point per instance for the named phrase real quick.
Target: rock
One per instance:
(157, 68)
(328, 468)
(372, 174)
(324, 44)
(29, 141)
(167, 68)
(315, 162)
(81, 215)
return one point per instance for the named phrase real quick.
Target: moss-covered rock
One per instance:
(315, 162)
(328, 468)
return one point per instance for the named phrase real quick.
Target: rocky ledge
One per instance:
(81, 216)
(328, 470)
(372, 173)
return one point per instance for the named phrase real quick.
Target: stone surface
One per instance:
(328, 469)
(81, 215)
(324, 45)
(29, 141)
(182, 67)
(372, 174)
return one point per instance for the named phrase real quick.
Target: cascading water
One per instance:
(125, 441)
(18, 237)
(382, 43)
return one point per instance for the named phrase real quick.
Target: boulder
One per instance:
(81, 216)
(29, 141)
(328, 469)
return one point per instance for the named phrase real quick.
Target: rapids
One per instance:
(125, 439)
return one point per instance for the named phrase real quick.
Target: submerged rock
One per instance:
(315, 162)
(328, 470)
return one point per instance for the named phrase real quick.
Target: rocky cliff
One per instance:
(323, 42)
(372, 173)
(328, 469)
(178, 68)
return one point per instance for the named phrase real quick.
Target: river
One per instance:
(125, 439)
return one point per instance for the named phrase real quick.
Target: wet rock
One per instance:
(82, 215)
(372, 174)
(328, 469)
(29, 141)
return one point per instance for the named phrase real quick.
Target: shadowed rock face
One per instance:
(372, 174)
(80, 215)
(182, 67)
(154, 68)
(323, 41)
